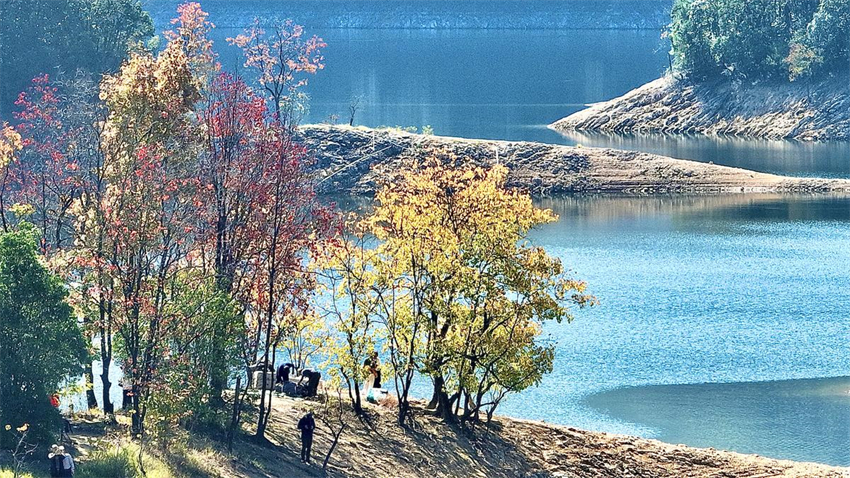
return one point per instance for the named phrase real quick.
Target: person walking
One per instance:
(307, 424)
(56, 461)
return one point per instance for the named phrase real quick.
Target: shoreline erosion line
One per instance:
(355, 159)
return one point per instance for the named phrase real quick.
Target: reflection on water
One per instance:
(736, 288)
(792, 158)
(796, 419)
(493, 84)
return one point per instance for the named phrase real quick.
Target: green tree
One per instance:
(743, 38)
(46, 36)
(41, 344)
(824, 46)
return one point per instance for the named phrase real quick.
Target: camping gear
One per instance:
(376, 395)
(291, 389)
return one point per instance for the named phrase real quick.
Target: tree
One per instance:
(148, 206)
(233, 120)
(332, 416)
(745, 39)
(353, 106)
(292, 222)
(10, 144)
(350, 312)
(49, 174)
(56, 36)
(455, 248)
(41, 344)
(291, 229)
(281, 59)
(824, 47)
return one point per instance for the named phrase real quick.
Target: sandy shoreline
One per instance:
(354, 160)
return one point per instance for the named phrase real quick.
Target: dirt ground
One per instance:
(507, 448)
(376, 447)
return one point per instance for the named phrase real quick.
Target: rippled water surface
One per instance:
(706, 289)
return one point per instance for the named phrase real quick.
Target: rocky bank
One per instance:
(355, 160)
(805, 110)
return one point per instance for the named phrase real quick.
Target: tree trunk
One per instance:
(137, 412)
(331, 449)
(91, 398)
(443, 402)
(106, 361)
(234, 416)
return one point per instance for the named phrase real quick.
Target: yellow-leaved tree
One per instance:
(10, 144)
(462, 293)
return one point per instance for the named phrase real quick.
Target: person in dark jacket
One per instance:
(307, 424)
(283, 372)
(312, 385)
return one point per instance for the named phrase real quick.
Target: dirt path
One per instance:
(512, 448)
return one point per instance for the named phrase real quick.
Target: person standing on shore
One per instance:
(307, 424)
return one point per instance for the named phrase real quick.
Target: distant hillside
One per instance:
(432, 14)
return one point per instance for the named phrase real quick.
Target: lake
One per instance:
(706, 302)
(694, 290)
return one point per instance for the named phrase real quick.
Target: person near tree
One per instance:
(307, 424)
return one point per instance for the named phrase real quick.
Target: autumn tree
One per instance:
(475, 292)
(281, 59)
(293, 223)
(290, 231)
(233, 120)
(148, 203)
(350, 311)
(10, 145)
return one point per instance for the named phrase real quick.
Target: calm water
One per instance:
(730, 290)
(754, 416)
(699, 290)
(508, 84)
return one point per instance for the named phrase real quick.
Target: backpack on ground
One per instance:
(290, 389)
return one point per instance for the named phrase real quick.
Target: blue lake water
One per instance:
(704, 290)
(739, 290)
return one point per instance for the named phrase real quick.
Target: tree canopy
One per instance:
(41, 343)
(53, 36)
(760, 39)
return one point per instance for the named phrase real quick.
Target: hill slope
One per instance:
(808, 111)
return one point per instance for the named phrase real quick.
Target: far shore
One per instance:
(810, 110)
(356, 159)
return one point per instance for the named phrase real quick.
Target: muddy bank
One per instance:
(354, 160)
(806, 111)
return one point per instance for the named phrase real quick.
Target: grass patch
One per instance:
(6, 473)
(123, 462)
